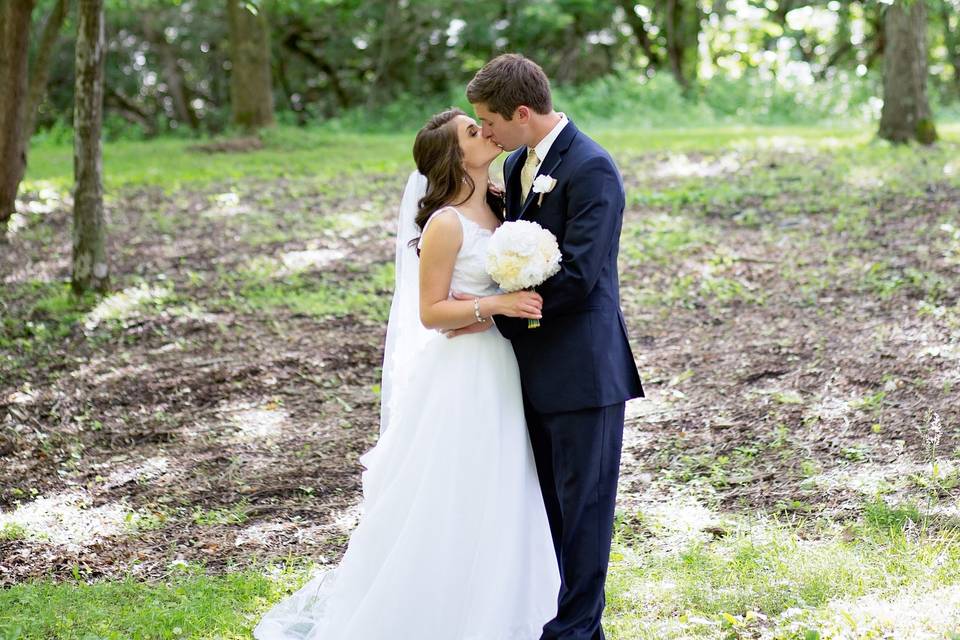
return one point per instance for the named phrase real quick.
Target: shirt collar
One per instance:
(543, 147)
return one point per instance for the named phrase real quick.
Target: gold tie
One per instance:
(528, 172)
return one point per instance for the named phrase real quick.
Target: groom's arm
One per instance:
(594, 217)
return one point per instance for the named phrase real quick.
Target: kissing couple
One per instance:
(488, 500)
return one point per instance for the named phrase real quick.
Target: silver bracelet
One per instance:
(476, 310)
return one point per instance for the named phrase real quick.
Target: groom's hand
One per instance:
(476, 327)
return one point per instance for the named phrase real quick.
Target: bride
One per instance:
(453, 541)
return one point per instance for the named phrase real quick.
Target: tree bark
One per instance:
(129, 110)
(40, 69)
(91, 269)
(15, 18)
(380, 87)
(172, 73)
(906, 111)
(295, 42)
(639, 28)
(873, 12)
(843, 45)
(251, 92)
(683, 31)
(951, 37)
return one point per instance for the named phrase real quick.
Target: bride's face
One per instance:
(507, 134)
(478, 151)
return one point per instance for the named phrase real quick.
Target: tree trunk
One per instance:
(639, 28)
(906, 111)
(14, 50)
(176, 86)
(951, 37)
(40, 69)
(91, 270)
(683, 32)
(842, 43)
(380, 87)
(295, 42)
(251, 93)
(874, 14)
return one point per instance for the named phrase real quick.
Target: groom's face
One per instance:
(508, 134)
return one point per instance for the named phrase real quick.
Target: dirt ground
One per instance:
(785, 372)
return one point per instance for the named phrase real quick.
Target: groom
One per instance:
(577, 369)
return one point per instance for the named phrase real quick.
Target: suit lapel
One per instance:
(551, 162)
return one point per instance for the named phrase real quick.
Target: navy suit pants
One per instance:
(578, 462)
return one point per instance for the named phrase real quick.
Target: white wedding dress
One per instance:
(453, 541)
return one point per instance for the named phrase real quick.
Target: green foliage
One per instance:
(382, 65)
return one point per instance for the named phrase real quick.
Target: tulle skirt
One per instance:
(453, 541)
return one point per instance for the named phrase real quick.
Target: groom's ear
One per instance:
(522, 114)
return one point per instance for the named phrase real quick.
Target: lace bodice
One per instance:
(470, 270)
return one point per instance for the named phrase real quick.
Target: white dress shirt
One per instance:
(543, 147)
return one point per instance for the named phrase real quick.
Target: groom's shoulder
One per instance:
(589, 152)
(585, 147)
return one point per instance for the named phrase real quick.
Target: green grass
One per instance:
(191, 605)
(317, 155)
(235, 514)
(772, 577)
(887, 573)
(310, 154)
(48, 313)
(262, 286)
(12, 531)
(668, 580)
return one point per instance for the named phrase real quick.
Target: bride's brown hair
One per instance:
(437, 153)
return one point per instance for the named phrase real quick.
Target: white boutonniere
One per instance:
(543, 185)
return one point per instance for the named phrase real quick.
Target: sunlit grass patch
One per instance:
(235, 514)
(189, 604)
(661, 238)
(13, 531)
(36, 317)
(313, 153)
(699, 289)
(125, 304)
(755, 576)
(269, 284)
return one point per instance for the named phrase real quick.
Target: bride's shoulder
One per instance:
(445, 217)
(443, 223)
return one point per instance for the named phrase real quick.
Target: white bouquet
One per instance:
(521, 255)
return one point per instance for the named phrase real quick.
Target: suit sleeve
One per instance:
(593, 220)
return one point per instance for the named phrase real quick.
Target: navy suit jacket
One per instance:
(579, 357)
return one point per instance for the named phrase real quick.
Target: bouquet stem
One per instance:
(533, 323)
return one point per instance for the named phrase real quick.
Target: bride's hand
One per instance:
(520, 304)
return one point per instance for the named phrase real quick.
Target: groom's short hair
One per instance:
(508, 81)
